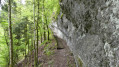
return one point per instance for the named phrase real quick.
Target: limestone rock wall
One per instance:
(91, 30)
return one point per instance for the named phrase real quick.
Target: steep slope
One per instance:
(50, 56)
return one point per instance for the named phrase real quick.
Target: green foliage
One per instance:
(23, 27)
(4, 53)
(57, 11)
(44, 42)
(47, 50)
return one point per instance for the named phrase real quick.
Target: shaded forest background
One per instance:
(30, 20)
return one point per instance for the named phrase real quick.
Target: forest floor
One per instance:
(50, 56)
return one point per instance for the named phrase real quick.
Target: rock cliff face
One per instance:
(91, 30)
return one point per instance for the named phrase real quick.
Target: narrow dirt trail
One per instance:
(63, 56)
(59, 58)
(63, 59)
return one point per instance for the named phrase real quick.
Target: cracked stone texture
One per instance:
(91, 30)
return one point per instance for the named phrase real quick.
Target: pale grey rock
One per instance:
(91, 30)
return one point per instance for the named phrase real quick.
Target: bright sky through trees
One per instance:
(2, 2)
(23, 1)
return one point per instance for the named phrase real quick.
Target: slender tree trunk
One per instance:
(28, 55)
(10, 34)
(44, 33)
(25, 31)
(48, 33)
(47, 28)
(41, 37)
(35, 61)
(37, 36)
(25, 50)
(43, 21)
(40, 27)
(28, 42)
(31, 49)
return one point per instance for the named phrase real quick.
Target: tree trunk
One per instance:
(25, 33)
(10, 33)
(28, 56)
(37, 37)
(47, 28)
(35, 62)
(44, 34)
(41, 37)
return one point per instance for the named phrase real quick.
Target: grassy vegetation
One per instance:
(4, 53)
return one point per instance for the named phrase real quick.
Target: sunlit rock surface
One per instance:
(91, 30)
